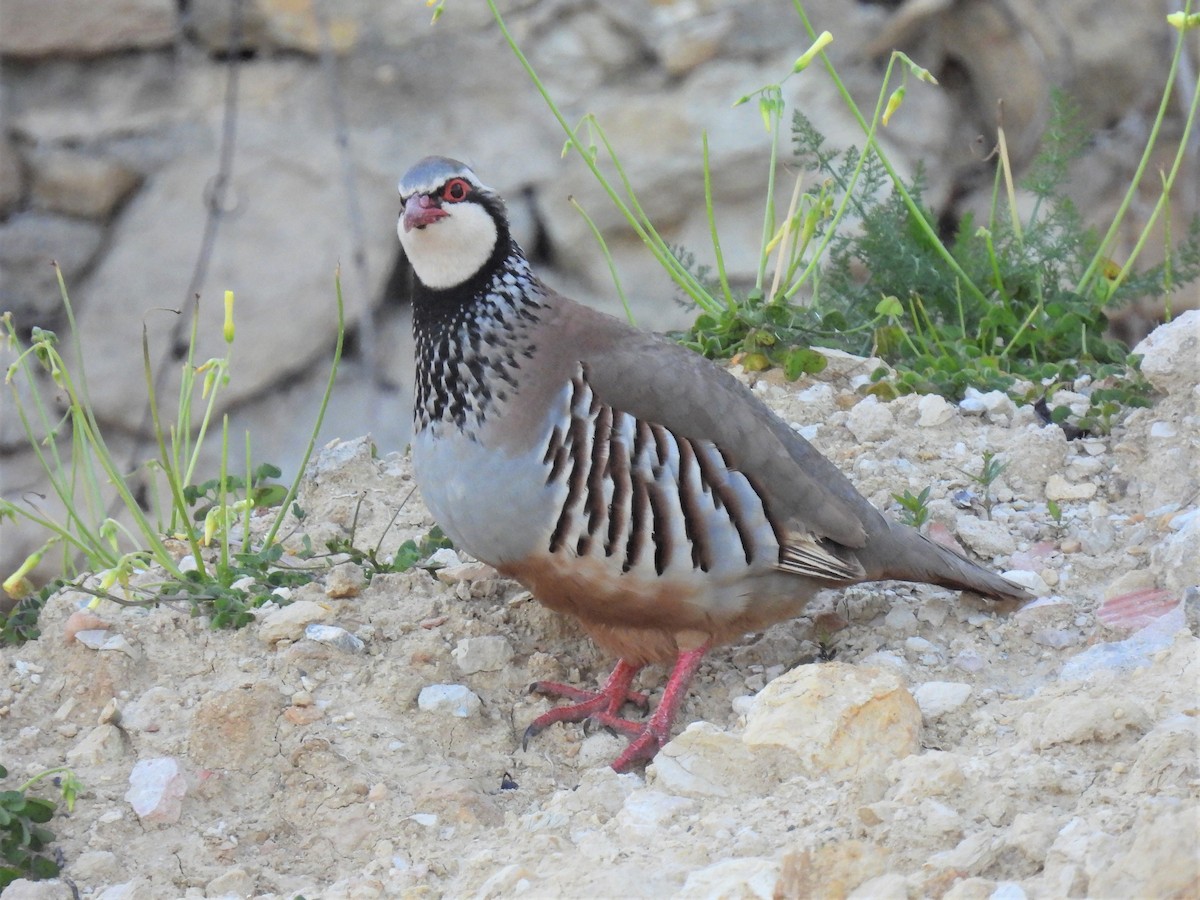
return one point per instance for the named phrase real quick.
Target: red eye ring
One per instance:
(455, 190)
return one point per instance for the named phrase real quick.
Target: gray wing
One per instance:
(662, 382)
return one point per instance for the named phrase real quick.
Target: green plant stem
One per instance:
(1089, 275)
(40, 775)
(871, 147)
(869, 130)
(181, 437)
(1028, 321)
(1164, 196)
(663, 253)
(647, 233)
(171, 474)
(997, 278)
(221, 507)
(294, 489)
(62, 490)
(612, 265)
(249, 495)
(786, 240)
(1010, 187)
(769, 211)
(709, 210)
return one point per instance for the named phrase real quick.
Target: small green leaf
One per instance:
(803, 361)
(890, 306)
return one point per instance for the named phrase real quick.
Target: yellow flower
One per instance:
(823, 40)
(893, 104)
(17, 585)
(229, 317)
(1183, 22)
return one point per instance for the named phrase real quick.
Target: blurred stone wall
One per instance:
(159, 149)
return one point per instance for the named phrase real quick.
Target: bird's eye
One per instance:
(456, 189)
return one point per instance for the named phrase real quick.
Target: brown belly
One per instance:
(645, 620)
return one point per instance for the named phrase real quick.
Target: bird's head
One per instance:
(452, 224)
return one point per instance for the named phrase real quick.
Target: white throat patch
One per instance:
(447, 252)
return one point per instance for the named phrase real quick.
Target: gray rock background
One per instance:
(161, 150)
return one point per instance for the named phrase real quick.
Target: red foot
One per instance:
(604, 705)
(645, 746)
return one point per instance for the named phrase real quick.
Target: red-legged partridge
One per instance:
(620, 477)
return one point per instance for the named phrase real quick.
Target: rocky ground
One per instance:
(364, 741)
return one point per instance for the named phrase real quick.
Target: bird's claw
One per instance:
(581, 696)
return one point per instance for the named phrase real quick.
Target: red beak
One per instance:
(421, 210)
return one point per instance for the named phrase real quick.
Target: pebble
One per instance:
(934, 411)
(1008, 890)
(918, 646)
(934, 612)
(334, 637)
(1044, 611)
(987, 538)
(900, 620)
(704, 761)
(1059, 489)
(1169, 353)
(449, 699)
(1183, 519)
(110, 714)
(1098, 539)
(748, 878)
(1055, 638)
(345, 580)
(870, 420)
(234, 883)
(96, 865)
(1084, 467)
(468, 572)
(892, 886)
(92, 638)
(963, 499)
(810, 711)
(156, 789)
(303, 715)
(289, 622)
(1033, 558)
(936, 698)
(970, 660)
(444, 558)
(1134, 652)
(104, 743)
(96, 639)
(996, 404)
(1031, 581)
(1163, 430)
(650, 810)
(489, 653)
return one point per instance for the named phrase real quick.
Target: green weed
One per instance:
(199, 533)
(914, 508)
(24, 839)
(1006, 304)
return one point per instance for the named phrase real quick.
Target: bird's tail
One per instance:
(917, 558)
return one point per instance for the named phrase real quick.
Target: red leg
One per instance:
(657, 731)
(603, 706)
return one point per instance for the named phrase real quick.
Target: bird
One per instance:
(620, 477)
